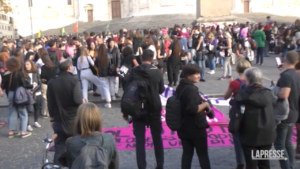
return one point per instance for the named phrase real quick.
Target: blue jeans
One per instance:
(260, 55)
(239, 154)
(212, 63)
(201, 64)
(284, 51)
(13, 113)
(284, 142)
(221, 60)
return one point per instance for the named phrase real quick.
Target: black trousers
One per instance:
(37, 108)
(254, 164)
(173, 71)
(139, 129)
(60, 142)
(189, 145)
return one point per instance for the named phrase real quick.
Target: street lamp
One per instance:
(198, 9)
(30, 6)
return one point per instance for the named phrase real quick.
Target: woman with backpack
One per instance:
(12, 80)
(192, 133)
(88, 128)
(233, 88)
(32, 77)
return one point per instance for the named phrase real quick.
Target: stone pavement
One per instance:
(153, 21)
(17, 153)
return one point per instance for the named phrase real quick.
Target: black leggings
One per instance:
(37, 108)
(188, 146)
(173, 71)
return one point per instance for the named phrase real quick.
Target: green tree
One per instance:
(4, 6)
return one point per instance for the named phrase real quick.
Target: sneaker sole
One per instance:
(26, 135)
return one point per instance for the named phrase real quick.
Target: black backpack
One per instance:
(134, 98)
(174, 116)
(53, 57)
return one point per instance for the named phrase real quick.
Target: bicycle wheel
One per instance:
(50, 166)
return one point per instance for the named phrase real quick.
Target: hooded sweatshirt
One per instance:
(153, 77)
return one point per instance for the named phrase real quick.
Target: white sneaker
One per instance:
(208, 72)
(212, 72)
(107, 105)
(29, 128)
(113, 98)
(37, 125)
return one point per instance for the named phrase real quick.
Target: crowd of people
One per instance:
(58, 72)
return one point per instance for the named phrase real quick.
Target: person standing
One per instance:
(114, 65)
(173, 62)
(289, 84)
(260, 38)
(153, 77)
(64, 97)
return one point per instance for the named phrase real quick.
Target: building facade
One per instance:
(276, 7)
(46, 14)
(8, 23)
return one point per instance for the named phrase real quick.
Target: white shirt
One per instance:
(39, 64)
(247, 44)
(85, 63)
(152, 47)
(31, 82)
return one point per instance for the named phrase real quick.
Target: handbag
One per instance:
(93, 68)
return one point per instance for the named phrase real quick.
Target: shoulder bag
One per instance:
(93, 68)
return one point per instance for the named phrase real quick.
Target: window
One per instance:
(69, 2)
(30, 4)
(3, 17)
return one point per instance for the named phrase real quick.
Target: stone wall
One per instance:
(211, 8)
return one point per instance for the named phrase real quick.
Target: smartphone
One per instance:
(278, 61)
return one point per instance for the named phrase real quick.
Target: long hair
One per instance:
(32, 70)
(138, 34)
(83, 53)
(149, 41)
(176, 49)
(102, 56)
(88, 120)
(47, 61)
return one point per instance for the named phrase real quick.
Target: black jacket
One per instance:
(258, 124)
(154, 78)
(16, 81)
(67, 88)
(35, 78)
(116, 58)
(193, 122)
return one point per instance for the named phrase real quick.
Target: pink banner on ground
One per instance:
(218, 136)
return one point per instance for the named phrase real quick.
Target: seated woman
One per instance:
(257, 128)
(88, 127)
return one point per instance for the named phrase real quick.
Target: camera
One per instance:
(210, 113)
